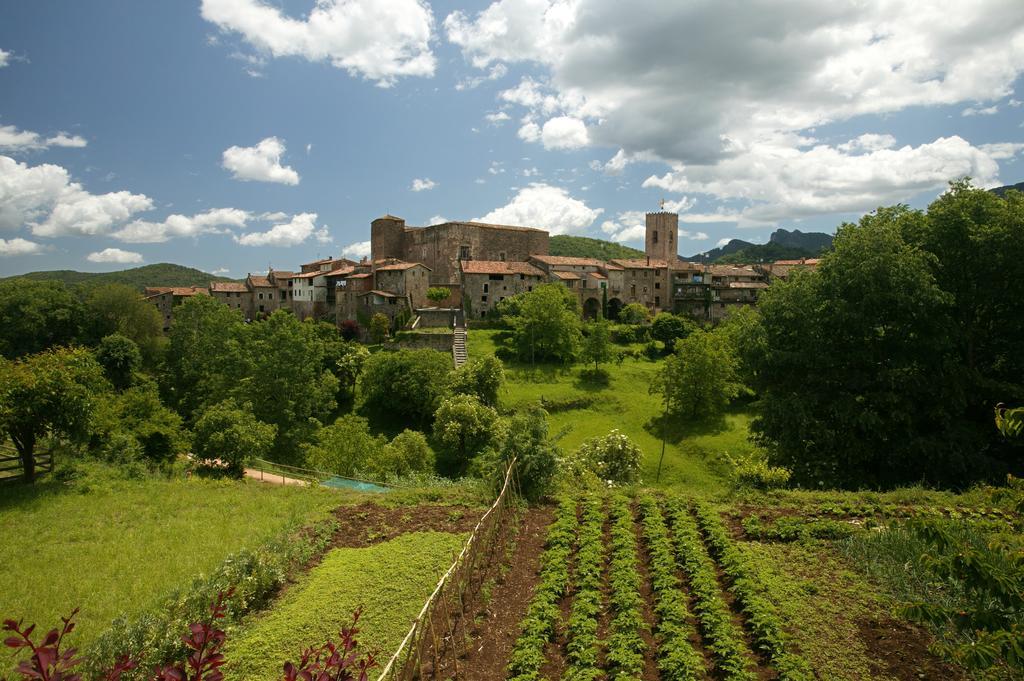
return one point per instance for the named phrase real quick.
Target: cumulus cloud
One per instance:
(422, 185)
(115, 255)
(292, 233)
(214, 221)
(564, 132)
(697, 85)
(631, 225)
(261, 163)
(497, 71)
(5, 58)
(437, 220)
(699, 236)
(545, 207)
(378, 41)
(497, 118)
(980, 111)
(357, 250)
(12, 139)
(781, 182)
(19, 246)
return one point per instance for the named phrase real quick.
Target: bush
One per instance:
(634, 313)
(135, 426)
(120, 358)
(231, 435)
(482, 377)
(755, 473)
(345, 447)
(420, 377)
(464, 426)
(613, 458)
(350, 330)
(408, 454)
(669, 327)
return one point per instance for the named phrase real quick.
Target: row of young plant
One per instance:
(722, 636)
(678, 660)
(584, 647)
(749, 587)
(542, 615)
(624, 657)
(794, 528)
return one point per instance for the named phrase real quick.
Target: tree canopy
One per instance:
(546, 324)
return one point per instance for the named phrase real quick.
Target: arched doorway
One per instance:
(614, 307)
(591, 308)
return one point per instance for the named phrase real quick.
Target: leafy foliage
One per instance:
(545, 324)
(668, 328)
(232, 435)
(634, 313)
(379, 327)
(583, 646)
(120, 309)
(586, 247)
(437, 294)
(37, 315)
(613, 458)
(625, 651)
(464, 427)
(159, 274)
(536, 454)
(480, 376)
(699, 379)
(597, 345)
(134, 424)
(419, 376)
(345, 446)
(120, 358)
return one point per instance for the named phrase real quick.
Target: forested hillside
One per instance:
(160, 274)
(585, 247)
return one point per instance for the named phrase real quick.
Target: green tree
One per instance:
(634, 313)
(743, 332)
(463, 426)
(480, 376)
(37, 315)
(547, 326)
(407, 454)
(699, 379)
(612, 458)
(346, 447)
(597, 343)
(135, 424)
(668, 328)
(232, 435)
(202, 356)
(407, 383)
(350, 366)
(438, 294)
(854, 366)
(120, 309)
(379, 327)
(120, 358)
(535, 453)
(49, 393)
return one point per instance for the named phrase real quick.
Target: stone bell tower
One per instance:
(662, 236)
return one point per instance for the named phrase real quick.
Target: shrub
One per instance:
(408, 454)
(135, 425)
(350, 330)
(528, 442)
(419, 376)
(345, 447)
(231, 435)
(463, 426)
(482, 377)
(379, 326)
(755, 473)
(613, 458)
(437, 294)
(120, 358)
(634, 313)
(668, 327)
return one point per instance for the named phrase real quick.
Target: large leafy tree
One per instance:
(597, 343)
(120, 358)
(856, 363)
(37, 315)
(699, 379)
(406, 383)
(50, 393)
(546, 324)
(120, 309)
(463, 427)
(668, 327)
(232, 436)
(480, 376)
(346, 447)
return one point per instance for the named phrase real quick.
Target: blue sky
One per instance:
(231, 135)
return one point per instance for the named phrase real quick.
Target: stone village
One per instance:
(481, 265)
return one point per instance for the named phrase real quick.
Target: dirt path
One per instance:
(275, 478)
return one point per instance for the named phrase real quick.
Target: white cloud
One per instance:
(530, 172)
(221, 271)
(292, 233)
(12, 139)
(496, 168)
(699, 236)
(214, 221)
(378, 41)
(5, 58)
(723, 241)
(497, 118)
(497, 71)
(114, 255)
(545, 207)
(261, 163)
(564, 132)
(700, 86)
(437, 220)
(422, 185)
(309, 149)
(980, 111)
(19, 246)
(631, 226)
(781, 182)
(357, 250)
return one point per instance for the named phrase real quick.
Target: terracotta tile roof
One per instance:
(281, 274)
(189, 291)
(228, 287)
(259, 280)
(151, 291)
(565, 276)
(340, 272)
(684, 266)
(386, 294)
(309, 275)
(499, 267)
(596, 275)
(568, 260)
(641, 263)
(400, 265)
(361, 275)
(811, 262)
(731, 271)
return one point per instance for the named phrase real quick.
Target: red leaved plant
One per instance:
(329, 662)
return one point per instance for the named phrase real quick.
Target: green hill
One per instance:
(161, 274)
(585, 247)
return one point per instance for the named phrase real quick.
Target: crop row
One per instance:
(583, 647)
(625, 654)
(542, 615)
(751, 591)
(677, 658)
(724, 638)
(788, 528)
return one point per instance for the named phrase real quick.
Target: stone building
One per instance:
(441, 247)
(166, 298)
(485, 283)
(233, 294)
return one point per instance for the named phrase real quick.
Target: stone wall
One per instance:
(410, 340)
(440, 247)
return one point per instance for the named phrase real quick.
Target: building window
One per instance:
(501, 256)
(486, 286)
(670, 237)
(496, 277)
(261, 298)
(654, 236)
(657, 285)
(261, 308)
(657, 301)
(483, 299)
(463, 252)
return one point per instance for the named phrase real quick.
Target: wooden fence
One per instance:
(437, 636)
(11, 468)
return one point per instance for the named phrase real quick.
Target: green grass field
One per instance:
(391, 581)
(117, 546)
(693, 454)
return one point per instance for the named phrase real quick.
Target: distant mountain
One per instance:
(162, 274)
(1001, 191)
(585, 247)
(782, 245)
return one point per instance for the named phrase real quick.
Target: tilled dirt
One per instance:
(900, 651)
(368, 523)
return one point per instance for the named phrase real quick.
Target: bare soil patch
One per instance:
(367, 523)
(900, 650)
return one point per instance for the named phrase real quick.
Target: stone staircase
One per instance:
(459, 346)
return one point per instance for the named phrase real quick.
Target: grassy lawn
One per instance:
(583, 408)
(117, 546)
(391, 581)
